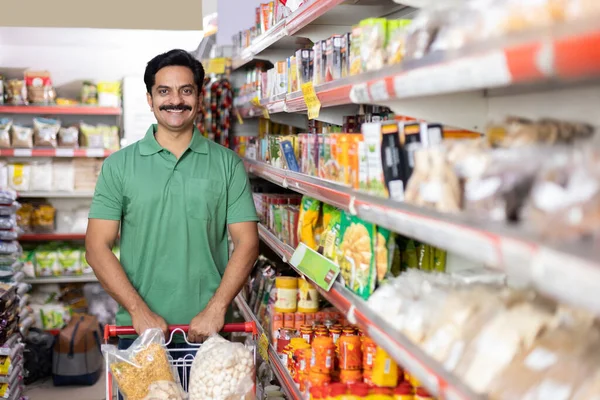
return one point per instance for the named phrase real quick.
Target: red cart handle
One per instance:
(247, 327)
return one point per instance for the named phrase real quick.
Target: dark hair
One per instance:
(173, 57)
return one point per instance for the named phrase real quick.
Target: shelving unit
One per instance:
(62, 279)
(61, 110)
(428, 371)
(57, 195)
(282, 374)
(44, 237)
(523, 257)
(67, 153)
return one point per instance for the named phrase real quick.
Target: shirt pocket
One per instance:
(203, 197)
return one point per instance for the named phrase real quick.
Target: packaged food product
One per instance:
(110, 136)
(357, 263)
(68, 137)
(323, 353)
(43, 218)
(91, 137)
(356, 66)
(385, 369)
(144, 368)
(391, 163)
(308, 220)
(46, 262)
(375, 181)
(63, 175)
(69, 261)
(308, 297)
(396, 46)
(41, 176)
(89, 93)
(22, 137)
(373, 43)
(350, 350)
(5, 128)
(39, 87)
(19, 177)
(109, 94)
(287, 291)
(16, 92)
(45, 132)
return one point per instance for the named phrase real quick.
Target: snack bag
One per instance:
(356, 256)
(222, 370)
(308, 221)
(330, 238)
(143, 372)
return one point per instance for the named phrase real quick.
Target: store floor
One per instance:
(45, 390)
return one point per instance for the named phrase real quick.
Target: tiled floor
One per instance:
(45, 390)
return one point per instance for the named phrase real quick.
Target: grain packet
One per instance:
(356, 255)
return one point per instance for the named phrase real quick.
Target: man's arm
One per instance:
(211, 320)
(99, 240)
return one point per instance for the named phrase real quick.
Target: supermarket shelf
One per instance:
(573, 54)
(46, 237)
(428, 371)
(306, 14)
(62, 279)
(78, 153)
(60, 110)
(57, 195)
(288, 385)
(524, 258)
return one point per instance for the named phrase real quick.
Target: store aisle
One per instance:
(45, 390)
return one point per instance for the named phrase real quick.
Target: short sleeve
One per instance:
(108, 196)
(240, 204)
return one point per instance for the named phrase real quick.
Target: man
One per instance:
(175, 195)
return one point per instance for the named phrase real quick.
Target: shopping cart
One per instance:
(178, 358)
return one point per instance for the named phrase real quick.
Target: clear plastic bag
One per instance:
(10, 247)
(221, 370)
(142, 371)
(8, 223)
(8, 210)
(5, 125)
(7, 196)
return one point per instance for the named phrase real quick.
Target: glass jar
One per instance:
(286, 294)
(349, 348)
(369, 350)
(317, 379)
(283, 338)
(306, 332)
(321, 332)
(335, 333)
(302, 358)
(308, 297)
(323, 354)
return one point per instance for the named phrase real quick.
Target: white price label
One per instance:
(379, 91)
(65, 152)
(359, 94)
(94, 152)
(22, 153)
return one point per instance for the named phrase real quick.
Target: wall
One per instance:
(230, 22)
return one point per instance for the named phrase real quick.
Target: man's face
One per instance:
(175, 98)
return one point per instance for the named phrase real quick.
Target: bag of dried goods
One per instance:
(310, 211)
(45, 132)
(22, 137)
(5, 125)
(221, 370)
(142, 371)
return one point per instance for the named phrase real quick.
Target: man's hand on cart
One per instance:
(144, 318)
(209, 321)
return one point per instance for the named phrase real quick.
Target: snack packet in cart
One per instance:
(143, 371)
(222, 370)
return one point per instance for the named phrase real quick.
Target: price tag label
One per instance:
(379, 91)
(216, 66)
(65, 152)
(322, 271)
(22, 153)
(313, 104)
(263, 347)
(359, 94)
(94, 152)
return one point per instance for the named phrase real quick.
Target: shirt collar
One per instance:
(149, 145)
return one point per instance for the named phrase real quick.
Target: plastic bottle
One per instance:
(287, 294)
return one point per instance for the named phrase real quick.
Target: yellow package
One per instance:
(330, 238)
(308, 221)
(385, 369)
(385, 249)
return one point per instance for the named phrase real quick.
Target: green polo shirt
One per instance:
(174, 216)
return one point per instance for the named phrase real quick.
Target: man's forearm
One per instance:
(112, 277)
(235, 276)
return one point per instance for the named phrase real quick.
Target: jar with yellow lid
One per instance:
(323, 354)
(404, 391)
(286, 294)
(308, 297)
(380, 393)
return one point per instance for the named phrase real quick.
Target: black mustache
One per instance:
(175, 107)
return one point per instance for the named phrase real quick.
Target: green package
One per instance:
(356, 255)
(46, 262)
(330, 238)
(69, 261)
